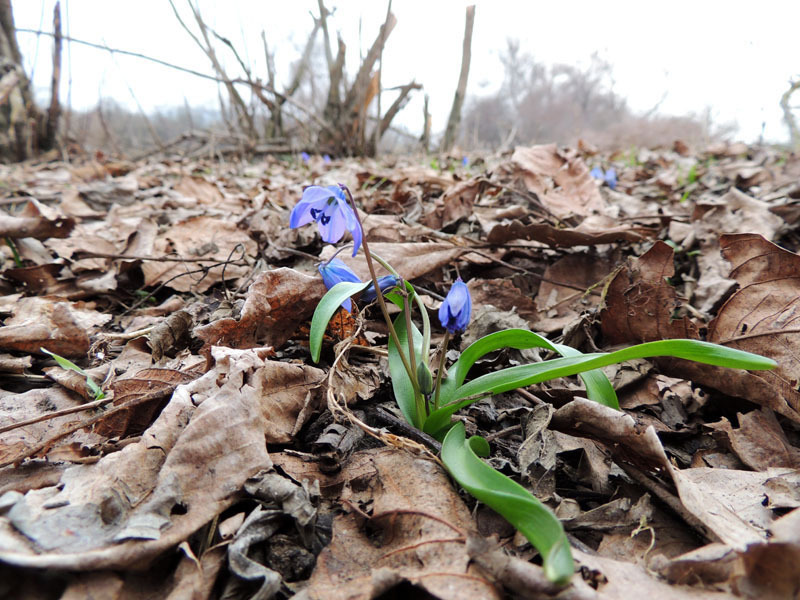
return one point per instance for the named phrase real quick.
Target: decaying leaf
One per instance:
(641, 305)
(132, 505)
(277, 302)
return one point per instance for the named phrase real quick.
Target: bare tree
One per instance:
(461, 90)
(788, 115)
(24, 129)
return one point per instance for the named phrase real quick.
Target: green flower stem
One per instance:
(381, 302)
(426, 323)
(385, 265)
(426, 330)
(418, 399)
(439, 372)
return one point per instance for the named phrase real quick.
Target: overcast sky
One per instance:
(735, 57)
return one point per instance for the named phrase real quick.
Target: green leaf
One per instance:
(67, 364)
(401, 384)
(525, 375)
(598, 387)
(518, 506)
(326, 309)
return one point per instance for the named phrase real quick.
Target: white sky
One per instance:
(735, 57)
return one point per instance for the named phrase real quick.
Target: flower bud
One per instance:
(455, 311)
(424, 379)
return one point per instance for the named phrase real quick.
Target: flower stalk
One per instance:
(381, 301)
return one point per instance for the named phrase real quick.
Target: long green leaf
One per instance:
(326, 309)
(598, 387)
(524, 375)
(518, 506)
(401, 384)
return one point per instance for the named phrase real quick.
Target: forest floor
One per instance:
(184, 298)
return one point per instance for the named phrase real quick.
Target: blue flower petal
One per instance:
(335, 271)
(455, 311)
(384, 283)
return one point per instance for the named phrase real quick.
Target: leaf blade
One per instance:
(518, 506)
(326, 309)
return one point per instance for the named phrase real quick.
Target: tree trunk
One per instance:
(458, 100)
(20, 121)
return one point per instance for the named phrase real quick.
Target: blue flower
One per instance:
(386, 282)
(456, 309)
(329, 208)
(326, 159)
(335, 271)
(305, 157)
(611, 178)
(465, 161)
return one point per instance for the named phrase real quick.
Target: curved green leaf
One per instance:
(524, 375)
(326, 309)
(401, 384)
(598, 387)
(518, 506)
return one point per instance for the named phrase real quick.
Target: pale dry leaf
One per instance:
(132, 505)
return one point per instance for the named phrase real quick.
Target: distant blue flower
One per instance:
(327, 206)
(335, 271)
(385, 283)
(326, 159)
(305, 157)
(611, 178)
(465, 161)
(456, 309)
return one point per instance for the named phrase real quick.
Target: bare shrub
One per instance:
(563, 103)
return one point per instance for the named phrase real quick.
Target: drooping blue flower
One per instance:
(335, 271)
(455, 311)
(597, 173)
(327, 206)
(611, 178)
(385, 283)
(304, 156)
(326, 159)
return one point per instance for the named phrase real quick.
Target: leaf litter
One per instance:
(222, 464)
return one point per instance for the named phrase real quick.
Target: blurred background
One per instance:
(360, 77)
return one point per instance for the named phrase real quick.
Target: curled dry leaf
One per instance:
(415, 535)
(455, 204)
(569, 286)
(759, 441)
(132, 505)
(146, 383)
(37, 222)
(762, 316)
(213, 240)
(37, 403)
(640, 304)
(560, 179)
(60, 327)
(277, 302)
(594, 230)
(411, 259)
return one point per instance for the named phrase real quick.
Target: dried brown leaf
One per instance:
(640, 304)
(132, 505)
(277, 302)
